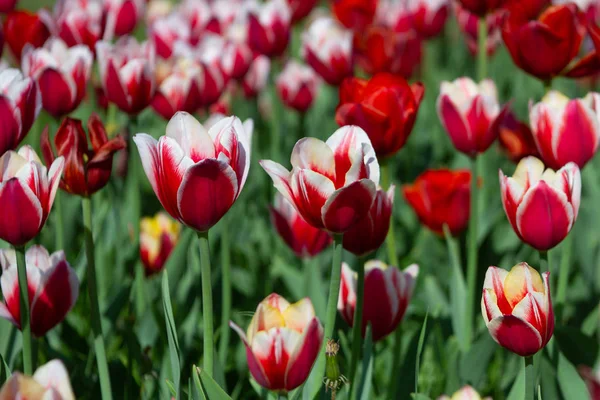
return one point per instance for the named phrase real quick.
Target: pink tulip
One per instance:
(62, 74)
(79, 22)
(180, 91)
(517, 308)
(269, 27)
(566, 130)
(197, 174)
(282, 342)
(53, 288)
(50, 381)
(332, 184)
(256, 78)
(386, 296)
(541, 205)
(298, 86)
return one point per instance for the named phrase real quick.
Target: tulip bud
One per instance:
(517, 308)
(121, 16)
(23, 27)
(269, 27)
(297, 86)
(50, 381)
(166, 31)
(158, 238)
(282, 342)
(429, 16)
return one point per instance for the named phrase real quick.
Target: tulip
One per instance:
(465, 393)
(62, 74)
(544, 46)
(304, 240)
(387, 293)
(301, 8)
(441, 197)
(566, 130)
(355, 14)
(79, 22)
(269, 27)
(297, 86)
(541, 205)
(370, 232)
(158, 237)
(517, 308)
(197, 15)
(469, 25)
(23, 27)
(516, 138)
(7, 6)
(121, 16)
(237, 55)
(127, 73)
(429, 16)
(86, 170)
(165, 32)
(482, 7)
(592, 381)
(385, 107)
(332, 184)
(157, 9)
(470, 114)
(27, 191)
(255, 79)
(20, 104)
(197, 174)
(180, 91)
(50, 381)
(282, 342)
(53, 288)
(327, 48)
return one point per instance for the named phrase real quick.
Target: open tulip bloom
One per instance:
(49, 382)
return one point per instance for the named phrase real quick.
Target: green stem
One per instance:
(24, 307)
(225, 295)
(357, 325)
(529, 378)
(390, 240)
(207, 302)
(563, 277)
(302, 126)
(396, 365)
(547, 86)
(482, 49)
(457, 290)
(472, 250)
(105, 386)
(544, 261)
(59, 221)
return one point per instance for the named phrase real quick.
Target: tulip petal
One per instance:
(58, 92)
(299, 314)
(578, 135)
(494, 281)
(281, 179)
(54, 376)
(10, 290)
(346, 141)
(381, 304)
(231, 140)
(304, 355)
(530, 309)
(21, 213)
(191, 136)
(346, 206)
(311, 191)
(515, 334)
(347, 297)
(455, 125)
(255, 367)
(315, 155)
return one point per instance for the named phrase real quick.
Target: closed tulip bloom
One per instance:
(517, 308)
(541, 205)
(304, 240)
(79, 22)
(566, 130)
(370, 232)
(298, 86)
(429, 16)
(158, 238)
(197, 174)
(327, 48)
(180, 91)
(470, 113)
(165, 32)
(255, 80)
(385, 106)
(269, 27)
(27, 191)
(22, 27)
(20, 104)
(282, 342)
(127, 73)
(515, 138)
(465, 393)
(469, 25)
(50, 381)
(355, 14)
(62, 74)
(441, 197)
(53, 288)
(7, 5)
(121, 16)
(387, 292)
(237, 54)
(332, 184)
(86, 170)
(301, 8)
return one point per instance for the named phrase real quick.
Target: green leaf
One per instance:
(577, 347)
(474, 364)
(363, 389)
(4, 371)
(570, 383)
(171, 387)
(418, 396)
(211, 388)
(517, 392)
(171, 333)
(420, 351)
(197, 391)
(458, 291)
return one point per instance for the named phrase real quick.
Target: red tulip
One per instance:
(79, 22)
(566, 130)
(332, 184)
(269, 27)
(469, 25)
(516, 138)
(470, 114)
(592, 381)
(127, 73)
(180, 91)
(197, 174)
(301, 8)
(385, 107)
(165, 32)
(517, 308)
(355, 14)
(52, 283)
(327, 48)
(304, 239)
(282, 342)
(23, 27)
(387, 293)
(482, 7)
(86, 170)
(50, 381)
(121, 16)
(429, 17)
(62, 74)
(441, 197)
(298, 86)
(20, 104)
(158, 238)
(7, 6)
(256, 78)
(370, 232)
(544, 46)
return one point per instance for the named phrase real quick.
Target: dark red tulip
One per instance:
(7, 5)
(23, 27)
(301, 8)
(516, 138)
(429, 17)
(355, 14)
(482, 7)
(86, 170)
(469, 25)
(588, 65)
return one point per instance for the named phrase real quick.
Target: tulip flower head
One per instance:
(22, 27)
(237, 54)
(592, 381)
(517, 308)
(197, 174)
(79, 22)
(387, 294)
(541, 205)
(166, 31)
(332, 184)
(428, 16)
(465, 393)
(355, 14)
(515, 138)
(158, 238)
(282, 342)
(269, 27)
(255, 79)
(301, 8)
(50, 381)
(62, 74)
(298, 86)
(27, 191)
(566, 130)
(53, 288)
(121, 16)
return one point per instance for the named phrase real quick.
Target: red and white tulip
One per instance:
(79, 22)
(53, 288)
(517, 308)
(298, 86)
(158, 237)
(269, 27)
(22, 27)
(121, 16)
(180, 91)
(50, 381)
(167, 31)
(256, 78)
(469, 25)
(282, 342)
(541, 205)
(237, 55)
(429, 16)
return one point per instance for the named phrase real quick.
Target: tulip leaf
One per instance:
(458, 297)
(548, 379)
(4, 370)
(517, 392)
(577, 347)
(261, 391)
(363, 389)
(473, 365)
(570, 383)
(171, 334)
(418, 396)
(211, 388)
(197, 390)
(420, 351)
